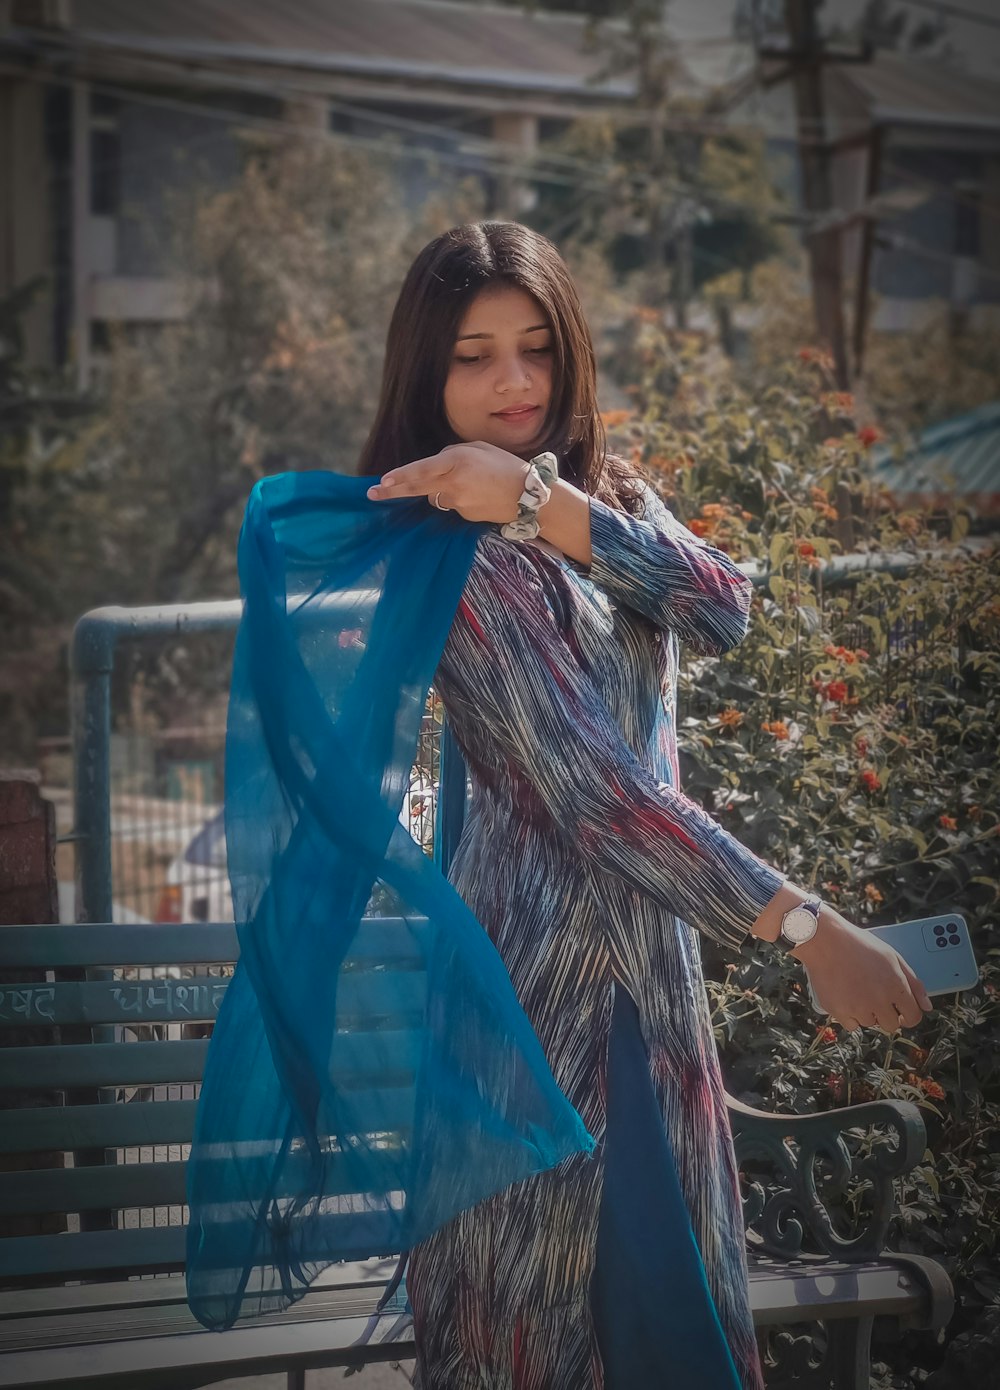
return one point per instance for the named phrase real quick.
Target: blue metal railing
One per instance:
(99, 634)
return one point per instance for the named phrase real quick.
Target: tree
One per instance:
(138, 497)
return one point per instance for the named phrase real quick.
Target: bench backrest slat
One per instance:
(361, 994)
(156, 1249)
(381, 999)
(159, 943)
(141, 1124)
(68, 1127)
(74, 1065)
(120, 1186)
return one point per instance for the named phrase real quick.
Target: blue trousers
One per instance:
(656, 1322)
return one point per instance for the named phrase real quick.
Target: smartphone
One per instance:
(937, 949)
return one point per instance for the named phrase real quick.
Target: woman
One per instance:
(589, 869)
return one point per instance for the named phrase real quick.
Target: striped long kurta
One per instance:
(591, 872)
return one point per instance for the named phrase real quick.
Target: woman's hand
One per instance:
(479, 481)
(859, 979)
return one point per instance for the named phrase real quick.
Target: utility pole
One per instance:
(806, 59)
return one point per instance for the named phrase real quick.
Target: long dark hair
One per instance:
(446, 276)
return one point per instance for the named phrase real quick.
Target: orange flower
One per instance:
(730, 718)
(747, 516)
(931, 1088)
(947, 822)
(820, 356)
(868, 435)
(850, 658)
(837, 692)
(872, 893)
(713, 509)
(806, 548)
(870, 779)
(826, 1033)
(698, 527)
(777, 727)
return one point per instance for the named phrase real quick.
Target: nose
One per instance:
(512, 373)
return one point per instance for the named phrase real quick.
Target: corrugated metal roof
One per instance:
(428, 38)
(959, 457)
(902, 89)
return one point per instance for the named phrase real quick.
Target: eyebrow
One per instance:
(533, 329)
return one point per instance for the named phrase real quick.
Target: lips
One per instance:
(521, 413)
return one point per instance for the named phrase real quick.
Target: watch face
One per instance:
(799, 925)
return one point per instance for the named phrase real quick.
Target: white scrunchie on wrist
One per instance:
(543, 470)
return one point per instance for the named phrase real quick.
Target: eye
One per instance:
(540, 351)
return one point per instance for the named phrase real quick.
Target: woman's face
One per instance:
(501, 361)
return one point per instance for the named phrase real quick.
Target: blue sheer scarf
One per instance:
(296, 1161)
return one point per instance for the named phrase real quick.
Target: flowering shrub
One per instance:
(850, 740)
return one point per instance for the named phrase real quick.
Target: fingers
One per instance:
(417, 479)
(917, 988)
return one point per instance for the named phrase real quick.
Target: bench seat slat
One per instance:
(793, 1293)
(131, 1339)
(201, 1355)
(70, 1299)
(175, 1317)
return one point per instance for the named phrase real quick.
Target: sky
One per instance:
(696, 21)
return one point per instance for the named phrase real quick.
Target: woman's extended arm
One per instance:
(508, 673)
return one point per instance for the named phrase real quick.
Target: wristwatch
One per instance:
(543, 470)
(800, 923)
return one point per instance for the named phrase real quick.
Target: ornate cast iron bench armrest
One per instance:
(788, 1214)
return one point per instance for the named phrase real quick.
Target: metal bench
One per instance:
(74, 1311)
